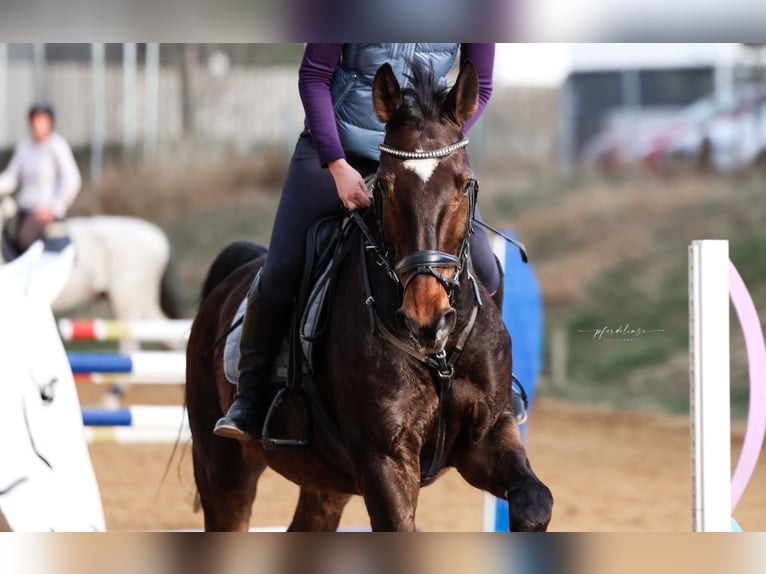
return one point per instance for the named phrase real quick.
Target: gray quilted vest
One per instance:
(359, 129)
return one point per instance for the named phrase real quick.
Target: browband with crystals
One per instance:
(432, 154)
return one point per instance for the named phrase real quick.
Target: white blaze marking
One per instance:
(423, 167)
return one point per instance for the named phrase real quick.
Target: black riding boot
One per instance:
(263, 331)
(518, 396)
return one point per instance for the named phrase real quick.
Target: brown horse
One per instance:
(415, 369)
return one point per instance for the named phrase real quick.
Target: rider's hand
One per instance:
(44, 214)
(352, 191)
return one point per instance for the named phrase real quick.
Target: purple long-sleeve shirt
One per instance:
(315, 76)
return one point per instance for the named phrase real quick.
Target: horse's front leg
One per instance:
(390, 486)
(498, 463)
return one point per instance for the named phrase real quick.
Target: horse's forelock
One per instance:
(424, 101)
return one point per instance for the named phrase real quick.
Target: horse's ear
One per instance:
(463, 99)
(386, 93)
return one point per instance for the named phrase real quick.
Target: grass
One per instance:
(620, 246)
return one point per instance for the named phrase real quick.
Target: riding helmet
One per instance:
(42, 107)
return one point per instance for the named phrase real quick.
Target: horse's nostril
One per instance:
(443, 326)
(449, 319)
(438, 329)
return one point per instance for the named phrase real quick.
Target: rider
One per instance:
(336, 151)
(46, 172)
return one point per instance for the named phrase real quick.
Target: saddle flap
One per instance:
(231, 352)
(327, 244)
(330, 241)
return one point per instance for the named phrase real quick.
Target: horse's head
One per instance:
(425, 195)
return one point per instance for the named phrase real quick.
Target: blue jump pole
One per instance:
(107, 418)
(100, 363)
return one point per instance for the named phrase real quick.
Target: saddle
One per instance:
(327, 244)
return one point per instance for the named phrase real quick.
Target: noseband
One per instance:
(429, 261)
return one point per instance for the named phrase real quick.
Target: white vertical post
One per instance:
(559, 356)
(3, 94)
(151, 99)
(38, 52)
(128, 95)
(488, 512)
(98, 72)
(709, 374)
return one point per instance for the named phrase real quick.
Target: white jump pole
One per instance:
(136, 330)
(709, 374)
(136, 435)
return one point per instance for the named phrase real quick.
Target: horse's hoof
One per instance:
(530, 507)
(228, 430)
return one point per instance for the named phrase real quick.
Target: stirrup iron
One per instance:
(271, 443)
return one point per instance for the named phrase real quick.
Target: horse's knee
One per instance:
(530, 505)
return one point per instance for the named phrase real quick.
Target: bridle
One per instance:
(428, 261)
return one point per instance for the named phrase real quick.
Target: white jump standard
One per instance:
(709, 373)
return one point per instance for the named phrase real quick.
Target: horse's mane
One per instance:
(424, 100)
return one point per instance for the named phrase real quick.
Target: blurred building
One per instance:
(642, 79)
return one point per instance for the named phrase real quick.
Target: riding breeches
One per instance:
(30, 230)
(309, 194)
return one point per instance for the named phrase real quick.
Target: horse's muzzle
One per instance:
(431, 336)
